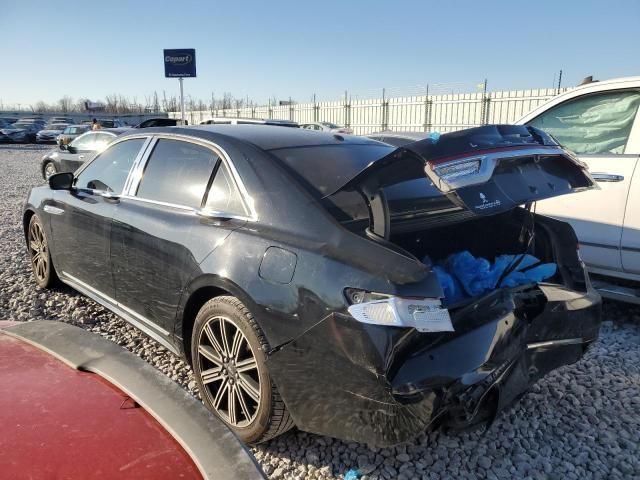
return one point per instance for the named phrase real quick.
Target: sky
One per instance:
(282, 49)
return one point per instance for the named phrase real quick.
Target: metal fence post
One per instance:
(347, 110)
(427, 112)
(315, 109)
(486, 100)
(269, 110)
(385, 112)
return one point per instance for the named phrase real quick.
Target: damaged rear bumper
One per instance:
(383, 386)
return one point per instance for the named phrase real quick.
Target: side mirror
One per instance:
(62, 146)
(61, 181)
(71, 149)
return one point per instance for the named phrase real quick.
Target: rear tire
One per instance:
(38, 247)
(228, 351)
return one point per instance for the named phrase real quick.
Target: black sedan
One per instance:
(20, 132)
(289, 267)
(67, 158)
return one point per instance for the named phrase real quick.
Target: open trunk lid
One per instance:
(481, 171)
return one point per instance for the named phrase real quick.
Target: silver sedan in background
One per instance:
(326, 127)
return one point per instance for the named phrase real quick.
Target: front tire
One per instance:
(228, 352)
(39, 254)
(49, 169)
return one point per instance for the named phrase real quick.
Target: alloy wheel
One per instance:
(229, 371)
(39, 251)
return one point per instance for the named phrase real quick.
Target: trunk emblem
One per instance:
(486, 203)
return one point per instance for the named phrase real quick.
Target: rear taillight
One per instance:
(423, 314)
(454, 170)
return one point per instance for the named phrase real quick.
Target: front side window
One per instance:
(224, 195)
(108, 171)
(177, 172)
(593, 124)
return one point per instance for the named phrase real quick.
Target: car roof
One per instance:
(250, 120)
(265, 137)
(116, 131)
(402, 134)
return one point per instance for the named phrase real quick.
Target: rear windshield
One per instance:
(323, 169)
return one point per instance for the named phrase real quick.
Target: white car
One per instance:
(326, 127)
(600, 122)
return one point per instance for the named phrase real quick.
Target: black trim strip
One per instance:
(610, 247)
(599, 245)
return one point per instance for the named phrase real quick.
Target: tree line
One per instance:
(120, 104)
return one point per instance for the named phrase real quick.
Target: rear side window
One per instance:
(223, 195)
(109, 170)
(177, 172)
(596, 124)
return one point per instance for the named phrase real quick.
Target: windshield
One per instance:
(74, 130)
(21, 125)
(329, 125)
(57, 126)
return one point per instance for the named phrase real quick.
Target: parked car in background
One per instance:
(296, 270)
(600, 122)
(159, 122)
(8, 120)
(71, 132)
(249, 121)
(107, 123)
(67, 120)
(20, 132)
(50, 132)
(5, 123)
(326, 127)
(33, 118)
(398, 139)
(68, 158)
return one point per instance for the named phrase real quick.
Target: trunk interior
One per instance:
(488, 237)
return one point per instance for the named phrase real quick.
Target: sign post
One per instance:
(180, 63)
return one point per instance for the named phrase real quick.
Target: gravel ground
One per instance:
(580, 422)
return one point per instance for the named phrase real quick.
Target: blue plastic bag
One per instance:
(462, 275)
(353, 474)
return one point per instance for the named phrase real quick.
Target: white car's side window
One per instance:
(593, 124)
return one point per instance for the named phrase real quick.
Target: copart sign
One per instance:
(180, 63)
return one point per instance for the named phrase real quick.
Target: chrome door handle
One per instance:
(607, 177)
(110, 195)
(80, 157)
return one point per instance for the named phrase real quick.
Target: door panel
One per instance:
(81, 238)
(599, 127)
(597, 215)
(160, 236)
(631, 231)
(155, 251)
